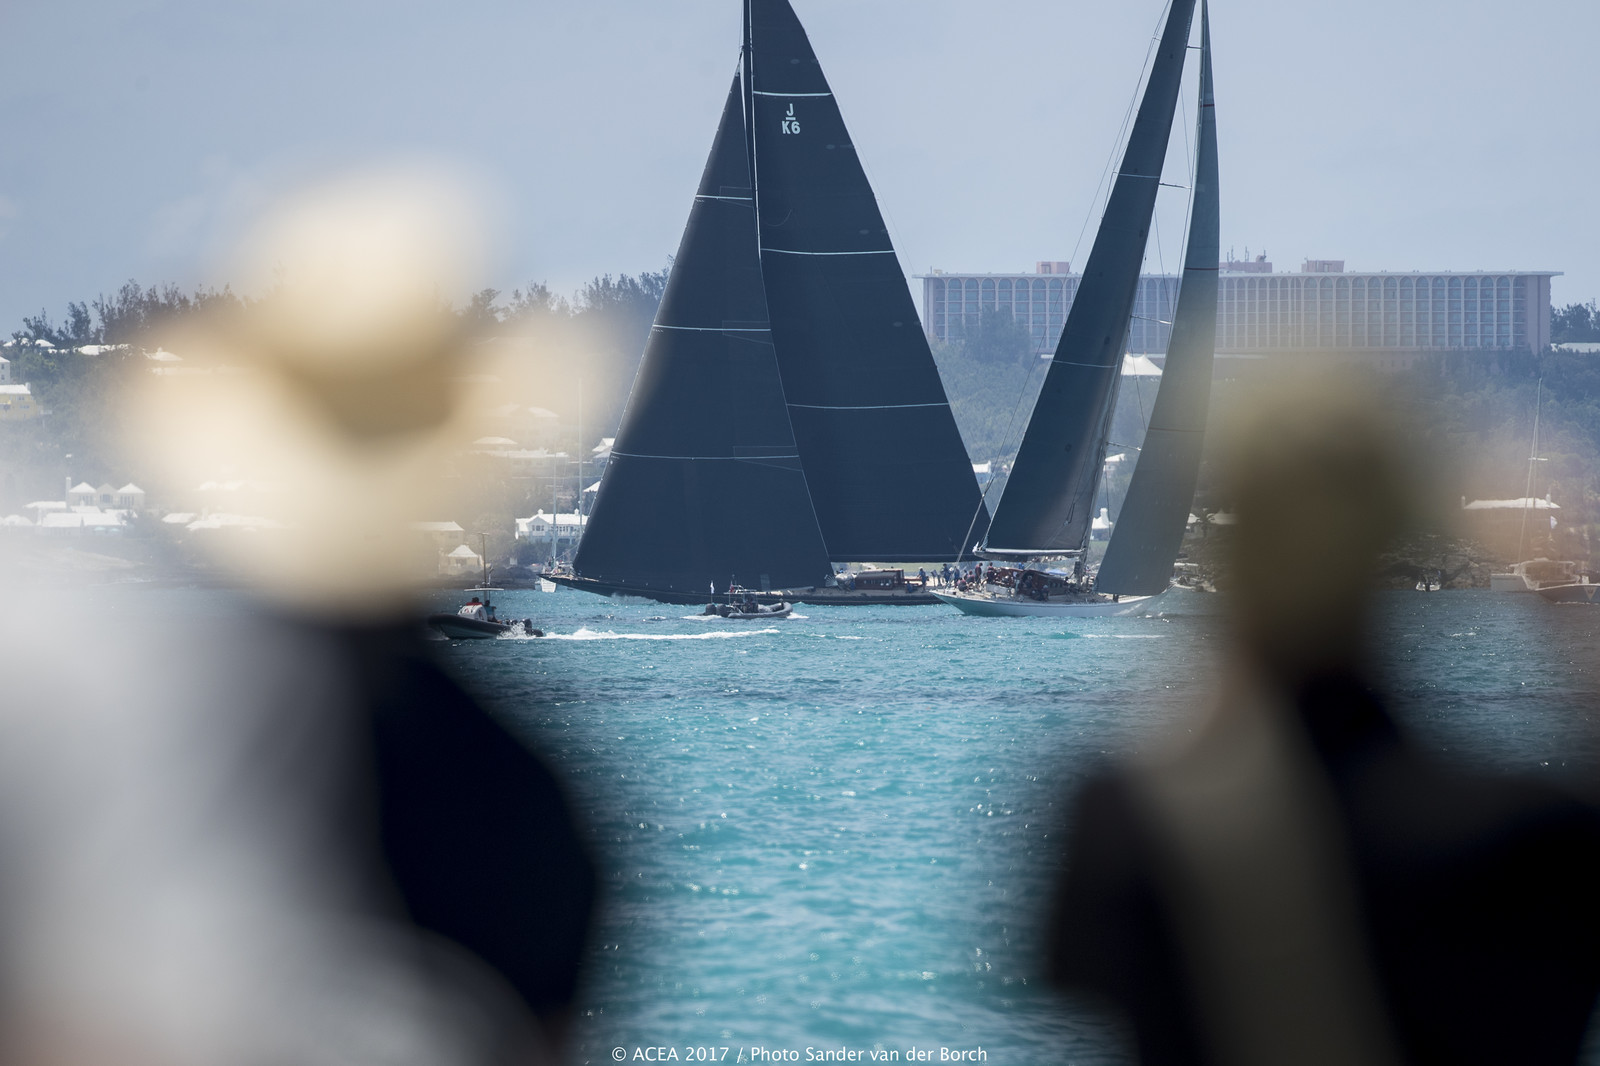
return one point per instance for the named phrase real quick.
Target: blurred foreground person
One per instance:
(1295, 883)
(271, 829)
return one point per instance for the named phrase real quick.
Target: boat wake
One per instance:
(584, 633)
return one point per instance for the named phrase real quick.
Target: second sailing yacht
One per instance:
(1047, 506)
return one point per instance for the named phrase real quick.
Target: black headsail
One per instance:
(889, 475)
(1050, 494)
(705, 483)
(1150, 527)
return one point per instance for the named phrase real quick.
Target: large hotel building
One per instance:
(1384, 318)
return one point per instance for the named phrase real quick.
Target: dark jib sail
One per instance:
(1049, 497)
(889, 475)
(1150, 527)
(705, 484)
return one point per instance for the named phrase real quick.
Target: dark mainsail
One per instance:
(1049, 497)
(705, 483)
(889, 475)
(1150, 527)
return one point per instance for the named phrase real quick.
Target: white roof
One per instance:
(161, 355)
(522, 453)
(46, 505)
(82, 486)
(564, 518)
(14, 521)
(1101, 520)
(180, 518)
(437, 527)
(130, 488)
(1521, 503)
(981, 468)
(15, 390)
(1119, 457)
(236, 485)
(604, 445)
(43, 344)
(1140, 366)
(244, 522)
(593, 488)
(463, 552)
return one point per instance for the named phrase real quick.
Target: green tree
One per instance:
(1575, 322)
(996, 338)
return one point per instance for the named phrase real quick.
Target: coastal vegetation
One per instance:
(82, 368)
(1575, 323)
(1474, 411)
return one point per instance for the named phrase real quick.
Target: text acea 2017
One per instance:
(759, 1054)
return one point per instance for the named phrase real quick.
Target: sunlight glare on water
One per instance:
(840, 829)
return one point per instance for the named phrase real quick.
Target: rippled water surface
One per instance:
(838, 829)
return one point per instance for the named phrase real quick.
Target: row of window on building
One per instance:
(1272, 312)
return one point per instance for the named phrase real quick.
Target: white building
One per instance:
(559, 531)
(461, 560)
(1321, 308)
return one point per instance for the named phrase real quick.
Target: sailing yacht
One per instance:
(787, 414)
(1047, 506)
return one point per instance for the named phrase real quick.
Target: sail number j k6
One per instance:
(790, 123)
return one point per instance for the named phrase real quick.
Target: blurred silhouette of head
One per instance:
(342, 392)
(1321, 487)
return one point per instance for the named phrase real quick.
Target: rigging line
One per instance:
(1155, 226)
(1191, 153)
(961, 550)
(717, 329)
(704, 458)
(865, 407)
(1096, 208)
(1005, 439)
(791, 251)
(1144, 419)
(1527, 488)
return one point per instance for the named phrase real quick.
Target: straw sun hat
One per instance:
(342, 393)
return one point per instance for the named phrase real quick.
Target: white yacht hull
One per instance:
(1512, 582)
(1015, 607)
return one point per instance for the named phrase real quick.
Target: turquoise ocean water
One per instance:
(838, 830)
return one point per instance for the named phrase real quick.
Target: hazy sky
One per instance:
(1395, 134)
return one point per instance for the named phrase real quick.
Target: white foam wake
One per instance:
(585, 633)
